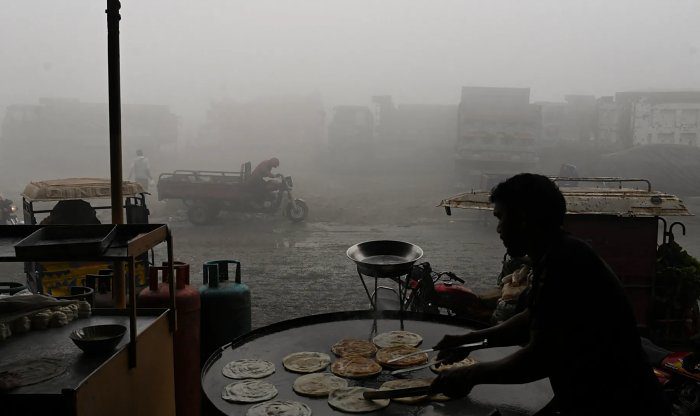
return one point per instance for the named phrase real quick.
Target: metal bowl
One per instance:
(98, 339)
(384, 258)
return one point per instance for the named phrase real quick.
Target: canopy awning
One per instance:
(76, 188)
(623, 202)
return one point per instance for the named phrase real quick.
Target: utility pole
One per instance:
(115, 137)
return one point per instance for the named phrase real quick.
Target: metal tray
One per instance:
(319, 332)
(66, 240)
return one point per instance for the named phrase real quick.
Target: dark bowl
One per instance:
(384, 258)
(98, 338)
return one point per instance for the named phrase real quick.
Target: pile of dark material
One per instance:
(670, 168)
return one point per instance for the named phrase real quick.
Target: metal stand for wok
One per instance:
(373, 296)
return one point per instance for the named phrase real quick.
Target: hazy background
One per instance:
(185, 53)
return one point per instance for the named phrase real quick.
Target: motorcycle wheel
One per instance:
(299, 213)
(201, 214)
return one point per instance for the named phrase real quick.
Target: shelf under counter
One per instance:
(97, 384)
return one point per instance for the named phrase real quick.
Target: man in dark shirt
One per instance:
(579, 329)
(256, 182)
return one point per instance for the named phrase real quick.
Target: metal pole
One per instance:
(115, 137)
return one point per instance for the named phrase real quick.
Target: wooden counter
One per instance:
(97, 385)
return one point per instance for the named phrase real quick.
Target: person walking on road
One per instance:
(140, 170)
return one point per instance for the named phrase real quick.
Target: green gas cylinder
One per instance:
(225, 304)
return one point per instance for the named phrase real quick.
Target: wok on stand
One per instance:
(384, 259)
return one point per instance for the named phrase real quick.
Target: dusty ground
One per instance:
(301, 269)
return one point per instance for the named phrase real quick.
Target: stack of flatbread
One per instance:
(462, 363)
(350, 400)
(306, 362)
(354, 347)
(394, 338)
(248, 368)
(249, 391)
(405, 384)
(385, 355)
(318, 384)
(279, 408)
(355, 367)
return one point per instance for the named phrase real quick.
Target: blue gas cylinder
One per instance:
(226, 312)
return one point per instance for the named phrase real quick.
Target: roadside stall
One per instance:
(75, 201)
(44, 371)
(620, 219)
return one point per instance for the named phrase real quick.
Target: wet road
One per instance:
(300, 269)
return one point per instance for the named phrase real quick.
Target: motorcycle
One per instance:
(444, 292)
(281, 198)
(678, 372)
(8, 212)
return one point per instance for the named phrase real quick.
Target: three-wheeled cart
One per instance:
(41, 197)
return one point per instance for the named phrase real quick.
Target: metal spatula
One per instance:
(479, 344)
(392, 394)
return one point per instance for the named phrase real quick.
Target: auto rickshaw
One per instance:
(48, 197)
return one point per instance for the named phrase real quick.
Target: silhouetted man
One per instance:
(578, 329)
(257, 182)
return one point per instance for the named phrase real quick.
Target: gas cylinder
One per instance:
(186, 338)
(225, 306)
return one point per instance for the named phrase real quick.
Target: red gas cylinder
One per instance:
(186, 338)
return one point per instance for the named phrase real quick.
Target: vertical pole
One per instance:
(115, 137)
(171, 281)
(132, 312)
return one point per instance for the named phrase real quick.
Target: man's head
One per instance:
(139, 152)
(528, 207)
(275, 162)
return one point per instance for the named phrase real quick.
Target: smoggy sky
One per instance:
(186, 53)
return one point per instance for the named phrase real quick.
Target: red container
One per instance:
(628, 245)
(186, 338)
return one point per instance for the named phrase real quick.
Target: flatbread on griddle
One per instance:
(458, 364)
(356, 347)
(306, 362)
(350, 400)
(355, 367)
(279, 408)
(249, 391)
(405, 384)
(394, 338)
(384, 355)
(318, 384)
(248, 368)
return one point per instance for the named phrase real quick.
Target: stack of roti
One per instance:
(248, 368)
(405, 384)
(394, 338)
(355, 367)
(387, 354)
(318, 384)
(279, 408)
(250, 391)
(306, 362)
(354, 347)
(350, 400)
(457, 364)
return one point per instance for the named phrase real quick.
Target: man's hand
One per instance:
(457, 382)
(451, 341)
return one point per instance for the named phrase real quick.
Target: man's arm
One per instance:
(523, 366)
(514, 331)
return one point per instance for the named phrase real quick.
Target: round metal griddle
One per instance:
(320, 332)
(384, 258)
